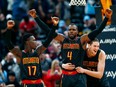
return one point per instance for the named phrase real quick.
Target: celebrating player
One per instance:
(28, 58)
(73, 50)
(94, 64)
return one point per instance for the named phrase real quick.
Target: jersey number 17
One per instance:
(32, 70)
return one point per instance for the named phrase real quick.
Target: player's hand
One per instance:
(108, 13)
(10, 24)
(68, 66)
(55, 20)
(32, 13)
(80, 70)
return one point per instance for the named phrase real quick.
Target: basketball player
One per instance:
(94, 64)
(28, 58)
(73, 50)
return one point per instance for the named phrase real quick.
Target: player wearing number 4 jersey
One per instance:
(29, 61)
(73, 50)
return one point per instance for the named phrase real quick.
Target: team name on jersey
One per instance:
(70, 46)
(30, 60)
(90, 64)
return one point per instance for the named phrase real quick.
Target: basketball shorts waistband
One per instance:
(38, 81)
(69, 72)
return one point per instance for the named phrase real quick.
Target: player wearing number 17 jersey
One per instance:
(28, 59)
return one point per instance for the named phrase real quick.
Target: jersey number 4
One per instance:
(69, 55)
(32, 70)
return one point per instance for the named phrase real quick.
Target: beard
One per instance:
(72, 37)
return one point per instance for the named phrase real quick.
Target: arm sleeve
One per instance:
(95, 32)
(7, 39)
(51, 35)
(42, 25)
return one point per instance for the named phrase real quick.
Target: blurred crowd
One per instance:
(82, 16)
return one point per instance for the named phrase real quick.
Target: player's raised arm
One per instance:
(96, 32)
(7, 38)
(59, 37)
(42, 25)
(51, 35)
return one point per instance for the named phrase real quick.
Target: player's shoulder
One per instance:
(102, 53)
(61, 34)
(84, 35)
(60, 37)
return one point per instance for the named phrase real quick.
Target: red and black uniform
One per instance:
(91, 64)
(72, 52)
(31, 72)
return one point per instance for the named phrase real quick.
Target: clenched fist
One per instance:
(55, 20)
(108, 13)
(32, 13)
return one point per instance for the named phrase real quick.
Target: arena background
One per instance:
(107, 37)
(108, 43)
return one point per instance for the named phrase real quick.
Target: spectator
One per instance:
(19, 9)
(87, 23)
(45, 61)
(28, 25)
(9, 7)
(62, 27)
(54, 74)
(89, 8)
(8, 62)
(3, 50)
(63, 10)
(12, 80)
(3, 75)
(54, 50)
(45, 64)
